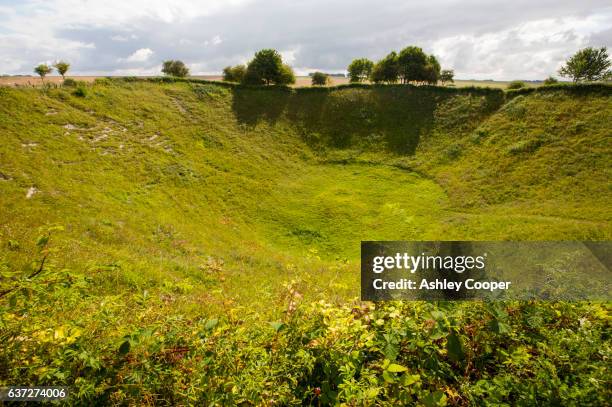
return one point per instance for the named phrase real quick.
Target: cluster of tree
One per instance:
(266, 68)
(411, 65)
(43, 69)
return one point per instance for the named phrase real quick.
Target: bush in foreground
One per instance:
(392, 353)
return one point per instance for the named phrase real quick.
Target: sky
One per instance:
(479, 39)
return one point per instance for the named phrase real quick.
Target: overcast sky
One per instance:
(481, 39)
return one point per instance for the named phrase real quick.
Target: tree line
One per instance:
(410, 66)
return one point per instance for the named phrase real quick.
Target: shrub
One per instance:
(320, 79)
(516, 85)
(80, 91)
(70, 83)
(550, 81)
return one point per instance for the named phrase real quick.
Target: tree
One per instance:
(320, 79)
(431, 72)
(43, 70)
(412, 65)
(447, 75)
(234, 74)
(386, 70)
(287, 76)
(360, 70)
(267, 68)
(588, 64)
(62, 67)
(175, 68)
(550, 81)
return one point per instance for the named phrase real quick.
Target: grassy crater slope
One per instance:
(191, 214)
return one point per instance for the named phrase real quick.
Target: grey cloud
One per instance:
(328, 35)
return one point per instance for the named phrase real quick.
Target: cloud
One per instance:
(123, 38)
(216, 40)
(140, 55)
(478, 38)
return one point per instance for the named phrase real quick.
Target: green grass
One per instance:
(187, 202)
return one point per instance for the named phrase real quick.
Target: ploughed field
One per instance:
(188, 242)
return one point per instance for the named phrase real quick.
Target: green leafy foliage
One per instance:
(320, 79)
(412, 62)
(588, 64)
(208, 255)
(175, 68)
(43, 70)
(234, 73)
(551, 80)
(447, 76)
(360, 70)
(267, 68)
(386, 70)
(516, 85)
(62, 68)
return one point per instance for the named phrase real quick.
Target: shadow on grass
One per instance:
(391, 118)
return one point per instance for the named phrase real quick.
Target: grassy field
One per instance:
(189, 243)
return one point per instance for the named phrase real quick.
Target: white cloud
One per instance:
(123, 38)
(140, 55)
(289, 55)
(531, 50)
(478, 38)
